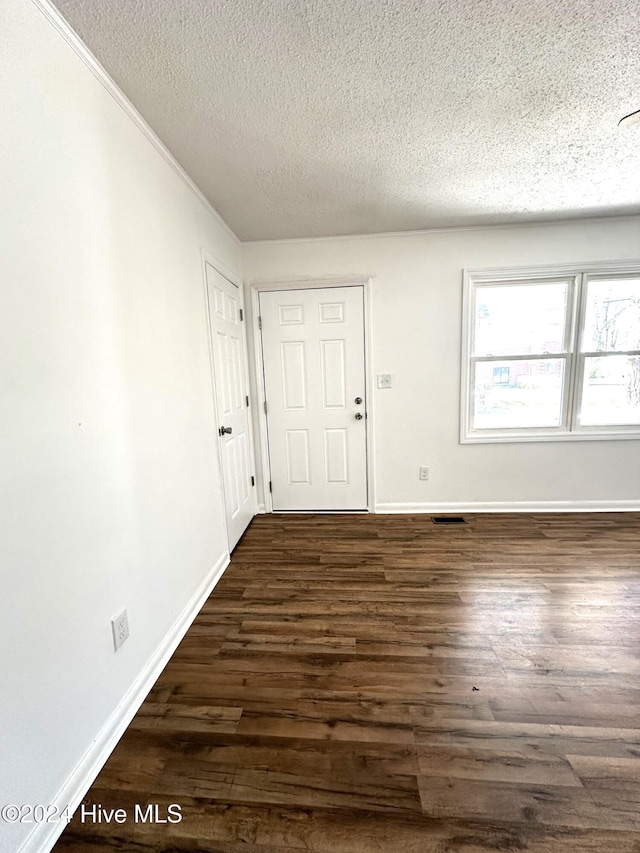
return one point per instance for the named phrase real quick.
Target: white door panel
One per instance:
(231, 402)
(313, 353)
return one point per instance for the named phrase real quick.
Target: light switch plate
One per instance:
(384, 380)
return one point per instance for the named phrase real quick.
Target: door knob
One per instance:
(358, 416)
(358, 401)
(227, 430)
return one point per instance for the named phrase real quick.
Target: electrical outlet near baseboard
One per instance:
(424, 472)
(120, 628)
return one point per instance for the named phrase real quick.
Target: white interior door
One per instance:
(313, 350)
(232, 402)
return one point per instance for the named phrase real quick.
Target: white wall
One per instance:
(417, 296)
(110, 488)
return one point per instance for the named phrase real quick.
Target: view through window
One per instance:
(551, 355)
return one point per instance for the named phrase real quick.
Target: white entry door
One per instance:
(313, 349)
(225, 303)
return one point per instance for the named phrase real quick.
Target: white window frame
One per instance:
(576, 276)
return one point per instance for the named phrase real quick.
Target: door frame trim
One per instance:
(259, 286)
(236, 280)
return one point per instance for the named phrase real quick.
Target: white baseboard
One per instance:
(510, 506)
(44, 835)
(261, 509)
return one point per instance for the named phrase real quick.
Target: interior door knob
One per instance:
(227, 430)
(358, 416)
(358, 401)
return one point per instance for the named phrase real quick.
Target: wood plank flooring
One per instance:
(382, 684)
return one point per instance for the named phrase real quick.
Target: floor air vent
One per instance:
(448, 519)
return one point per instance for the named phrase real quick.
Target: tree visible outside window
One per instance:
(611, 384)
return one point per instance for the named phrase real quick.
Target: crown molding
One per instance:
(452, 229)
(82, 51)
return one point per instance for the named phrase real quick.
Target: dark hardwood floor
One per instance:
(382, 684)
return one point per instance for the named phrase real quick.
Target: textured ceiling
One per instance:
(319, 117)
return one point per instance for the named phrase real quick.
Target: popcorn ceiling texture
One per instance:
(303, 118)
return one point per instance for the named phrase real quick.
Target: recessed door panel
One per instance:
(218, 302)
(336, 465)
(334, 393)
(231, 449)
(297, 456)
(290, 315)
(232, 310)
(236, 370)
(244, 478)
(222, 374)
(331, 312)
(294, 386)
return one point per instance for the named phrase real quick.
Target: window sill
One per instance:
(602, 434)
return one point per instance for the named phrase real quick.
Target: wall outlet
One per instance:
(120, 628)
(384, 380)
(424, 472)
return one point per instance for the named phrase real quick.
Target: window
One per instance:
(551, 354)
(501, 375)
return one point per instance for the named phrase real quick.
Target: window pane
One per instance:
(520, 318)
(522, 393)
(611, 391)
(612, 319)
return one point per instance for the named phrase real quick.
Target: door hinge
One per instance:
(265, 407)
(241, 315)
(247, 399)
(270, 486)
(260, 323)
(253, 480)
